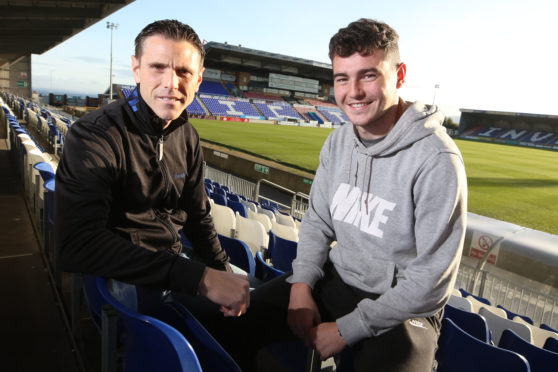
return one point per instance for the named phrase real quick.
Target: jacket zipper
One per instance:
(160, 149)
(168, 226)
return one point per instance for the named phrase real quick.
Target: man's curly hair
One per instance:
(363, 37)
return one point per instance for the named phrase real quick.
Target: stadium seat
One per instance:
(150, 344)
(252, 233)
(268, 213)
(238, 207)
(498, 324)
(219, 198)
(286, 220)
(239, 253)
(461, 352)
(477, 305)
(264, 219)
(511, 315)
(281, 251)
(285, 232)
(223, 219)
(264, 271)
(551, 344)
(539, 335)
(472, 323)
(460, 303)
(539, 359)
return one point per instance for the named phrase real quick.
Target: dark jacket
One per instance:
(124, 189)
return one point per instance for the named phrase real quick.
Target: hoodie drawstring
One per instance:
(369, 182)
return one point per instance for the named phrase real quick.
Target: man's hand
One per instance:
(326, 339)
(231, 291)
(303, 313)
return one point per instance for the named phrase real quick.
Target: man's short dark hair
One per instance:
(363, 37)
(170, 29)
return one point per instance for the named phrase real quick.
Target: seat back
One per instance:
(539, 359)
(551, 344)
(511, 315)
(237, 207)
(264, 219)
(460, 303)
(210, 353)
(239, 253)
(477, 305)
(150, 344)
(285, 232)
(252, 233)
(219, 198)
(539, 335)
(282, 253)
(286, 220)
(268, 213)
(498, 324)
(223, 219)
(460, 352)
(264, 271)
(472, 323)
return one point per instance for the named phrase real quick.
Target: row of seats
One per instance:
(170, 340)
(494, 335)
(261, 227)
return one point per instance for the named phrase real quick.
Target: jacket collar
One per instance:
(148, 122)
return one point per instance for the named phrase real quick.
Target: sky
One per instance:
(497, 55)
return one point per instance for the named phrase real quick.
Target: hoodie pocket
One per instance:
(370, 274)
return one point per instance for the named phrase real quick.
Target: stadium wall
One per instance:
(253, 168)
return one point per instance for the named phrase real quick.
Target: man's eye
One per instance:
(370, 76)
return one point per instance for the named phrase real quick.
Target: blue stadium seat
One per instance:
(461, 352)
(539, 359)
(239, 253)
(265, 271)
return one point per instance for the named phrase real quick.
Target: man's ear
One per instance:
(200, 78)
(401, 73)
(135, 68)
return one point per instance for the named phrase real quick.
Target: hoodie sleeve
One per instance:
(316, 231)
(423, 287)
(86, 175)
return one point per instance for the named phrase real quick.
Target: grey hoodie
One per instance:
(397, 211)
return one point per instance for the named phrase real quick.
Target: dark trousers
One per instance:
(408, 347)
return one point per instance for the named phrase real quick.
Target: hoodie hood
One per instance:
(417, 122)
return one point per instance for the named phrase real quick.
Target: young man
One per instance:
(390, 190)
(131, 177)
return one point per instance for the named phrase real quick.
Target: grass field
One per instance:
(509, 183)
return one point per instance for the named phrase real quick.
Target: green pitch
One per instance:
(509, 183)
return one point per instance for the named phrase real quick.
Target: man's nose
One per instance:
(355, 89)
(171, 79)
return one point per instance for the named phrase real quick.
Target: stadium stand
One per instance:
(195, 108)
(333, 114)
(276, 110)
(263, 96)
(214, 88)
(229, 106)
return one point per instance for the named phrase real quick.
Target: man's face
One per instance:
(169, 73)
(366, 87)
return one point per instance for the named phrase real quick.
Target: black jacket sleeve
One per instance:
(85, 178)
(199, 227)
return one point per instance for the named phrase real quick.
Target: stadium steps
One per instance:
(34, 331)
(202, 104)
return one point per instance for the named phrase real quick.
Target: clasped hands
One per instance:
(305, 322)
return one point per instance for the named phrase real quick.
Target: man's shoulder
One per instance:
(105, 117)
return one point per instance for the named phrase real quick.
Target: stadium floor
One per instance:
(34, 335)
